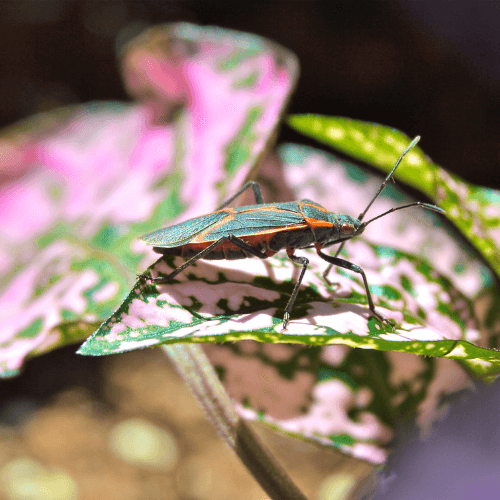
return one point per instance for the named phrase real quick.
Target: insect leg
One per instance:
(231, 238)
(245, 246)
(259, 200)
(353, 267)
(304, 263)
(329, 268)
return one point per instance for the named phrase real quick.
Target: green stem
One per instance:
(196, 370)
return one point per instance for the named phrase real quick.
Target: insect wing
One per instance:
(243, 221)
(257, 220)
(183, 233)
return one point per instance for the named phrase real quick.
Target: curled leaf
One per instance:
(107, 173)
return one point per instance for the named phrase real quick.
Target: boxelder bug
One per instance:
(263, 229)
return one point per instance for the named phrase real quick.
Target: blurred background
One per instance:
(425, 67)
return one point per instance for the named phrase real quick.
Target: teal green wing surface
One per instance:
(242, 221)
(183, 233)
(257, 219)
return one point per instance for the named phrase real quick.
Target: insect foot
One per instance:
(382, 319)
(286, 320)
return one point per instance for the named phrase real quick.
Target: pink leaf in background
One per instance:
(81, 191)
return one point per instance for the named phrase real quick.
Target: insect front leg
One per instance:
(304, 263)
(329, 268)
(230, 237)
(353, 267)
(259, 200)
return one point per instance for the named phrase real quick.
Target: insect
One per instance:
(263, 229)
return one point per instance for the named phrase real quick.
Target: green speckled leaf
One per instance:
(346, 188)
(229, 301)
(342, 397)
(347, 398)
(475, 211)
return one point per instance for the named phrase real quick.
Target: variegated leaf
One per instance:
(474, 210)
(110, 172)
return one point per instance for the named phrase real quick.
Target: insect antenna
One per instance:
(388, 178)
(428, 206)
(381, 188)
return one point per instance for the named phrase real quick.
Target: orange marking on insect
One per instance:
(263, 208)
(317, 207)
(201, 237)
(252, 239)
(317, 223)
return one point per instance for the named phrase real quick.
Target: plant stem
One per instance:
(196, 370)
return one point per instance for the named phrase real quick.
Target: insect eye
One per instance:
(347, 228)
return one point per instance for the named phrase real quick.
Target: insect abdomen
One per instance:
(225, 251)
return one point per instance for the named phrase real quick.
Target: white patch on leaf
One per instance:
(480, 363)
(458, 352)
(138, 344)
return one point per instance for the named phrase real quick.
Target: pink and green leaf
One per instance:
(111, 172)
(221, 301)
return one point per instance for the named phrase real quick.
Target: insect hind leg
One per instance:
(230, 237)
